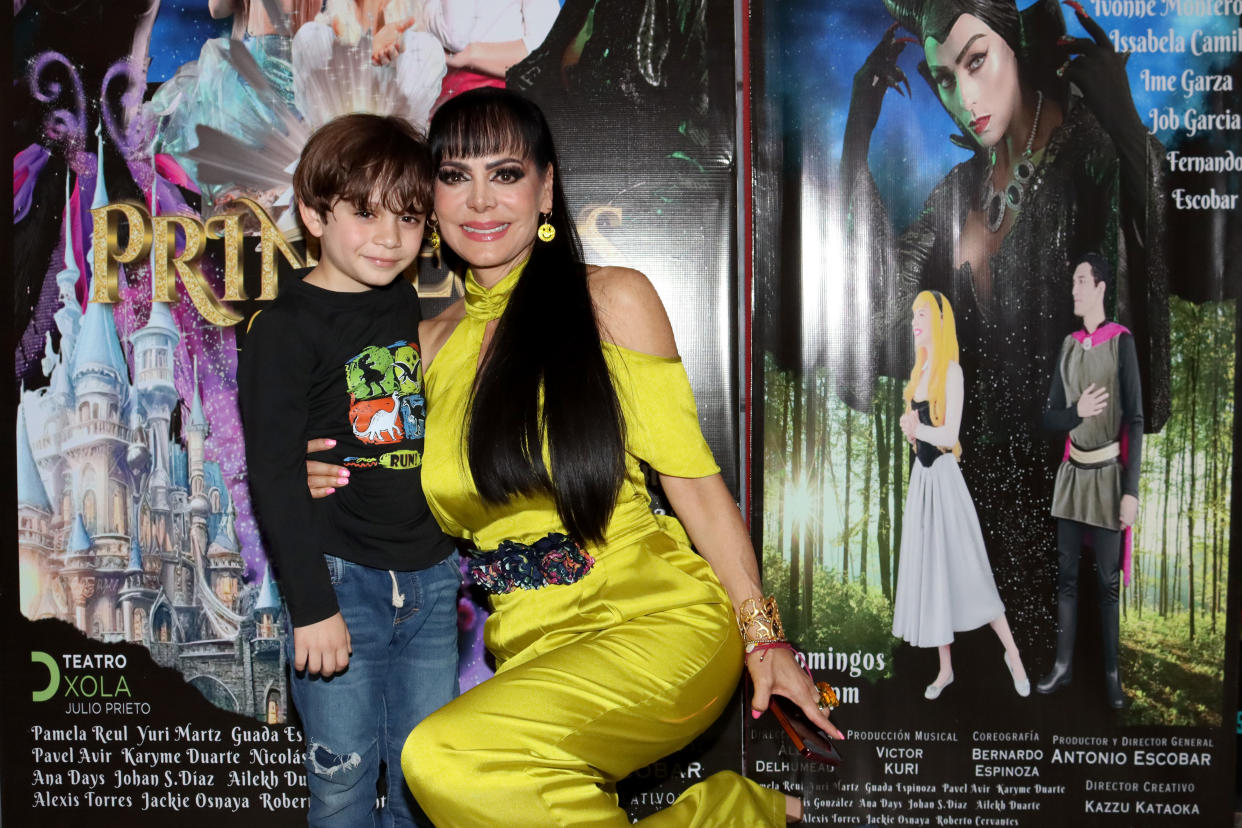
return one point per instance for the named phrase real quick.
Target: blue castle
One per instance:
(126, 531)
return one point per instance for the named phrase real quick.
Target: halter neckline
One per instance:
(489, 303)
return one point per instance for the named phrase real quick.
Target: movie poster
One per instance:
(929, 176)
(154, 148)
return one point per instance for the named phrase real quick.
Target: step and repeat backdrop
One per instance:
(929, 173)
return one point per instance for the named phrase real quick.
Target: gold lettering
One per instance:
(271, 240)
(230, 229)
(160, 233)
(186, 266)
(105, 239)
(595, 244)
(448, 287)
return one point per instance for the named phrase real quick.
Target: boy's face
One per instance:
(362, 249)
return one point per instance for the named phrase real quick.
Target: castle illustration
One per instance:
(125, 528)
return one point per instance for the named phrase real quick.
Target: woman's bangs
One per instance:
(479, 130)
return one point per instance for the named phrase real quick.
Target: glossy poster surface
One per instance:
(929, 176)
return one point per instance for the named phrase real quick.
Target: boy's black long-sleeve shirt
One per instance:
(321, 363)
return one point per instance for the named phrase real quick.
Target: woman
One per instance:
(615, 644)
(944, 582)
(1057, 170)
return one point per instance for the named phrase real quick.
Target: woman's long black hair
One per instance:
(547, 339)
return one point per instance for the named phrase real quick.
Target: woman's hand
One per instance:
(879, 72)
(777, 672)
(387, 43)
(1099, 71)
(909, 424)
(323, 478)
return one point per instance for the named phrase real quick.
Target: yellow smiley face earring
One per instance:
(546, 231)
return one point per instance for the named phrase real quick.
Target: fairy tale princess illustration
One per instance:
(944, 580)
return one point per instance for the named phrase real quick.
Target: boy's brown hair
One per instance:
(367, 161)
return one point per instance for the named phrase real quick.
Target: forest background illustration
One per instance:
(834, 491)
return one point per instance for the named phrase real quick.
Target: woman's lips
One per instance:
(978, 125)
(489, 231)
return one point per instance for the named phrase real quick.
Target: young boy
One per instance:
(369, 579)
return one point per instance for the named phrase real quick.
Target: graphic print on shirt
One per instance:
(386, 403)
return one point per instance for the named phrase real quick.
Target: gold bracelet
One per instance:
(759, 622)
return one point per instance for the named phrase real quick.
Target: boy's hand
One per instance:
(322, 648)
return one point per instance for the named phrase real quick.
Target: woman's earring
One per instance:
(546, 231)
(434, 241)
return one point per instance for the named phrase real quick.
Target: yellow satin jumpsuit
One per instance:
(594, 679)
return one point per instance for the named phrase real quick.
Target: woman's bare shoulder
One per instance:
(434, 332)
(630, 312)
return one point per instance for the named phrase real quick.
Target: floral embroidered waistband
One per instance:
(553, 559)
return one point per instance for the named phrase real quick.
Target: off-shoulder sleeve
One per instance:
(661, 421)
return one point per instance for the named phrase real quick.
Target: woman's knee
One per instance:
(428, 758)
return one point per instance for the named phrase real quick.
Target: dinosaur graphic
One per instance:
(370, 374)
(377, 421)
(385, 387)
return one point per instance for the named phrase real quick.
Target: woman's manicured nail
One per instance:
(754, 714)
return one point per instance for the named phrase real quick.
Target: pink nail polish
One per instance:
(754, 714)
(331, 443)
(330, 491)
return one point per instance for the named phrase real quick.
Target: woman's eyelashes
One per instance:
(508, 175)
(503, 175)
(947, 80)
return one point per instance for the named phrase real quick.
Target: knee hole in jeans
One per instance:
(329, 765)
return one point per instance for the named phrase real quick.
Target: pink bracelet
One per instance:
(764, 646)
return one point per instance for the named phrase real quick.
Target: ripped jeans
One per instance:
(403, 630)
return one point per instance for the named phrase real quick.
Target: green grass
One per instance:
(1170, 679)
(842, 612)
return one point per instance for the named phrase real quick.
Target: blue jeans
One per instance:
(403, 666)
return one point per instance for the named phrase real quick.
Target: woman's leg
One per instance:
(1000, 625)
(543, 743)
(946, 665)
